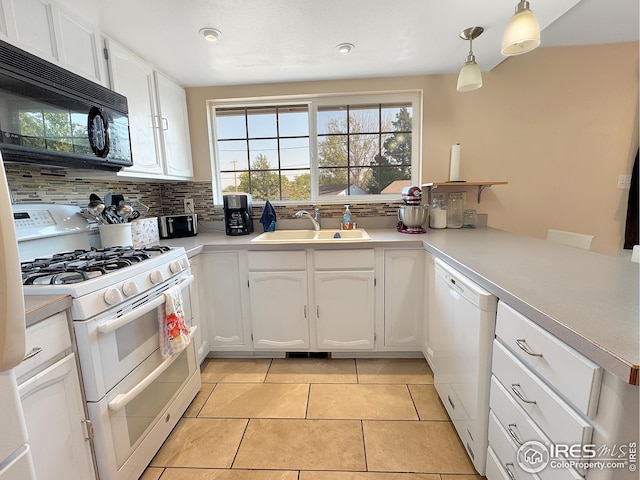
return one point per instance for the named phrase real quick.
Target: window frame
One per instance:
(414, 97)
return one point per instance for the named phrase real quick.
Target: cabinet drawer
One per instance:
(273, 261)
(494, 470)
(551, 413)
(573, 375)
(505, 451)
(45, 341)
(344, 259)
(521, 428)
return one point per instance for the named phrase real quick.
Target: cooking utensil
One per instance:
(124, 211)
(110, 214)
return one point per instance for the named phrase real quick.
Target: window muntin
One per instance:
(326, 148)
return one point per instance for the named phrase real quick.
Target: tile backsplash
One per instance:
(34, 184)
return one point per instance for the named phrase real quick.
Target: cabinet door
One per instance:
(404, 291)
(201, 338)
(221, 301)
(79, 47)
(30, 27)
(345, 310)
(175, 127)
(278, 303)
(133, 78)
(54, 413)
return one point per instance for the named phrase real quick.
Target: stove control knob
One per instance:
(130, 288)
(175, 267)
(156, 277)
(113, 296)
(184, 262)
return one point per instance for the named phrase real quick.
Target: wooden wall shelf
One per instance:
(479, 185)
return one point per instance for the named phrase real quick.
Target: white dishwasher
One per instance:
(461, 330)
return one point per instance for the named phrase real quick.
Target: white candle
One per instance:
(454, 166)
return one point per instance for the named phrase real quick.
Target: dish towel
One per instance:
(268, 218)
(174, 335)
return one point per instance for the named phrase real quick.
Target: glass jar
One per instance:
(438, 215)
(470, 219)
(455, 210)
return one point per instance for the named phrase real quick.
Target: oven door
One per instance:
(134, 419)
(115, 343)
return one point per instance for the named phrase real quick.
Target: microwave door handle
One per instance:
(121, 400)
(116, 323)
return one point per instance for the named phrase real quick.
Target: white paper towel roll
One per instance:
(454, 166)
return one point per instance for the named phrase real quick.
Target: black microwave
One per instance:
(50, 116)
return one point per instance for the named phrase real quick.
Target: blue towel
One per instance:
(268, 218)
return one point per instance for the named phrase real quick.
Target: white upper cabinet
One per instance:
(79, 47)
(157, 117)
(174, 124)
(51, 33)
(133, 78)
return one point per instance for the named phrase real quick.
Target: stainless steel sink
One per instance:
(311, 236)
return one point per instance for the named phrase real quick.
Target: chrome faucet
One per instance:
(315, 219)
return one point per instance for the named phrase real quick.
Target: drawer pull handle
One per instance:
(34, 351)
(513, 434)
(453, 405)
(509, 472)
(519, 394)
(522, 343)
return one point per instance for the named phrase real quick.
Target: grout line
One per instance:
(415, 407)
(356, 367)
(364, 447)
(264, 380)
(306, 412)
(239, 443)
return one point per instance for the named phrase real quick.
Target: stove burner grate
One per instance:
(80, 265)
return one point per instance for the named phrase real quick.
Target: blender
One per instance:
(412, 214)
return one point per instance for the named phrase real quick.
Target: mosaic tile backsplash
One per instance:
(33, 184)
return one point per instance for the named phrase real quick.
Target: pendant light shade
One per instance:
(523, 32)
(470, 77)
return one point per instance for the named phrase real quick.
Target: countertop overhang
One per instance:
(586, 299)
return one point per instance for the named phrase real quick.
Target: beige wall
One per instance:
(559, 124)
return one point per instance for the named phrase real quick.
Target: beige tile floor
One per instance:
(314, 419)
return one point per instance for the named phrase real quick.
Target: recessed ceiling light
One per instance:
(345, 48)
(211, 34)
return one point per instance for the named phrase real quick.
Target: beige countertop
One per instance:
(588, 300)
(41, 307)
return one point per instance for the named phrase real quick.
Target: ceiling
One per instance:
(266, 41)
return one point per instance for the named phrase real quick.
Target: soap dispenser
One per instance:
(347, 221)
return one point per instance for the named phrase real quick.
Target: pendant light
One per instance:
(523, 32)
(470, 77)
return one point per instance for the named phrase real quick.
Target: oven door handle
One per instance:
(122, 400)
(113, 325)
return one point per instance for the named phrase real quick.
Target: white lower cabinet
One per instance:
(345, 310)
(201, 337)
(222, 302)
(279, 312)
(544, 391)
(404, 293)
(327, 307)
(54, 413)
(53, 405)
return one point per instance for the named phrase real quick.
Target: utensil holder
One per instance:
(116, 235)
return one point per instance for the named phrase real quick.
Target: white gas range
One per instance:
(134, 396)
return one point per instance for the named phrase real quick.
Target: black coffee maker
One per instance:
(237, 214)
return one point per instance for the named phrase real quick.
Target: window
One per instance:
(320, 148)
